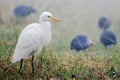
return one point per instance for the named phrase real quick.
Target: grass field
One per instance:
(58, 62)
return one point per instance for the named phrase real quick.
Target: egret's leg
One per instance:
(32, 64)
(21, 62)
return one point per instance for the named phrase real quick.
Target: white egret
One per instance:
(33, 38)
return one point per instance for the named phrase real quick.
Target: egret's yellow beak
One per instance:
(54, 19)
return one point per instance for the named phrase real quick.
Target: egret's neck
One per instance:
(46, 26)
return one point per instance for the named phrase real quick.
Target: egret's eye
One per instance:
(48, 16)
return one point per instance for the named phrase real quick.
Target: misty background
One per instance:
(78, 16)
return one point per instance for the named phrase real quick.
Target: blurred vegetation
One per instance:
(1, 20)
(95, 64)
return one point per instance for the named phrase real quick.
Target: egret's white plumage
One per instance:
(34, 37)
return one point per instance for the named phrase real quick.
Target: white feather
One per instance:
(32, 39)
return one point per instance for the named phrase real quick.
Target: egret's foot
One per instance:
(20, 73)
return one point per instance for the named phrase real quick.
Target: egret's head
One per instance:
(46, 16)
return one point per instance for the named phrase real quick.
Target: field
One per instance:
(57, 61)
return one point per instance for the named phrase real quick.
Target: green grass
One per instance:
(58, 61)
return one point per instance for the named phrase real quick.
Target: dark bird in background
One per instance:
(23, 11)
(81, 42)
(20, 12)
(104, 23)
(108, 38)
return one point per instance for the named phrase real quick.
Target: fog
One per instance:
(66, 8)
(78, 16)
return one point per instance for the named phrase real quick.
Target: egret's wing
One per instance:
(30, 40)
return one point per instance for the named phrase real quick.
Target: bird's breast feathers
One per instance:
(34, 37)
